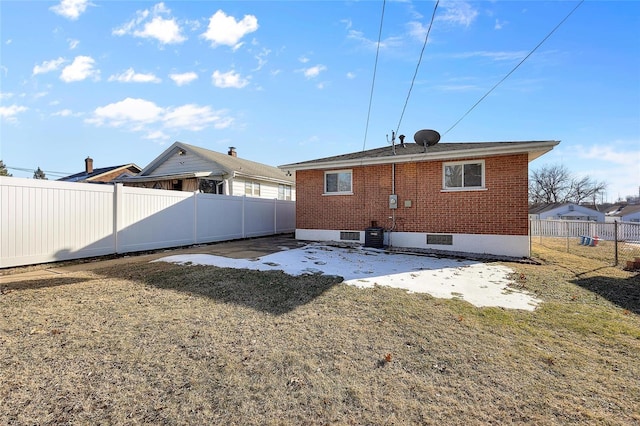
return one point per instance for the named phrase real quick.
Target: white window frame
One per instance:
(284, 192)
(337, 172)
(251, 188)
(463, 188)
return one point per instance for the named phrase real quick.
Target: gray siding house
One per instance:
(184, 167)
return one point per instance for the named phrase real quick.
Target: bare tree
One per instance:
(555, 184)
(549, 184)
(585, 188)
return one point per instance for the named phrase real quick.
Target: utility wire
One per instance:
(375, 67)
(418, 65)
(47, 172)
(515, 68)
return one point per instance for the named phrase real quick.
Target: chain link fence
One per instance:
(614, 242)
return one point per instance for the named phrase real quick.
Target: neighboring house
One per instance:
(467, 197)
(184, 167)
(625, 213)
(102, 174)
(565, 211)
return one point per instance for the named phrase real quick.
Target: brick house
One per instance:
(463, 197)
(102, 174)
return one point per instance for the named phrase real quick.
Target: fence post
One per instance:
(530, 234)
(275, 216)
(195, 217)
(566, 232)
(117, 215)
(615, 239)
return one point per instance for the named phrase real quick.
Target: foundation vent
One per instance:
(350, 235)
(440, 239)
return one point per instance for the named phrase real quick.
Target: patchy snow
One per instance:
(481, 284)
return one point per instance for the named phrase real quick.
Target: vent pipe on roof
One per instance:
(88, 165)
(232, 151)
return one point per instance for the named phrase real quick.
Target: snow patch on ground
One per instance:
(481, 284)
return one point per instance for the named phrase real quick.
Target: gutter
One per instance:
(534, 150)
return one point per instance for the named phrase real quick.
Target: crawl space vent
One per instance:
(350, 236)
(439, 239)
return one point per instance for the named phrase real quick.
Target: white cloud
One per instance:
(261, 57)
(157, 135)
(81, 69)
(166, 31)
(373, 44)
(73, 43)
(48, 66)
(456, 87)
(127, 111)
(130, 76)
(496, 56)
(351, 75)
(146, 116)
(63, 113)
(417, 30)
(9, 112)
(228, 79)
(184, 78)
(612, 155)
(313, 72)
(303, 59)
(499, 24)
(194, 117)
(225, 30)
(70, 9)
(457, 12)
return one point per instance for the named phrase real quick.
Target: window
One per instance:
(176, 185)
(252, 188)
(337, 182)
(284, 192)
(208, 186)
(463, 175)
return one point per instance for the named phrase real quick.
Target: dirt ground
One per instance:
(133, 342)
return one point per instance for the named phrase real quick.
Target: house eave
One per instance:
(166, 177)
(534, 150)
(263, 178)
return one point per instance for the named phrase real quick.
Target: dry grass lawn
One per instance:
(159, 343)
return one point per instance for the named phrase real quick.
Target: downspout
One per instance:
(393, 192)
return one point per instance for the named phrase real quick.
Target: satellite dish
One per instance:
(426, 137)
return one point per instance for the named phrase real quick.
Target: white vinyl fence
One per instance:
(45, 221)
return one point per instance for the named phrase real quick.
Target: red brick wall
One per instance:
(501, 209)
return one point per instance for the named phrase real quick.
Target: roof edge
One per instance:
(534, 149)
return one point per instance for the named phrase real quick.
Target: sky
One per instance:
(481, 284)
(290, 81)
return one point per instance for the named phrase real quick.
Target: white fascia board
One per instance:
(139, 178)
(263, 178)
(534, 150)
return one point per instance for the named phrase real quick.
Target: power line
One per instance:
(418, 65)
(515, 68)
(49, 172)
(373, 81)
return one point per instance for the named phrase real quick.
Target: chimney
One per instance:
(88, 165)
(232, 151)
